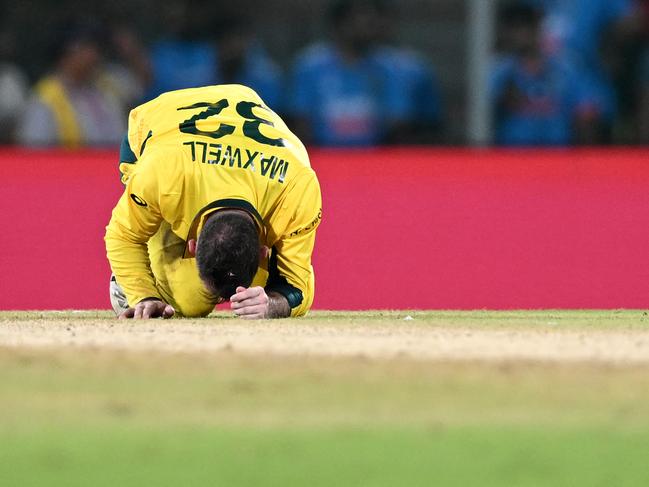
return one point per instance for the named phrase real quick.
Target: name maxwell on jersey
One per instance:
(232, 156)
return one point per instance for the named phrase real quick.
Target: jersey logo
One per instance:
(138, 201)
(310, 226)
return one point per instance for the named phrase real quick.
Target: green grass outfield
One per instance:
(89, 416)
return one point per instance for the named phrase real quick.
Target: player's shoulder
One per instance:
(308, 188)
(305, 177)
(163, 170)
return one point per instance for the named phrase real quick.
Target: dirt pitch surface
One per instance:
(566, 337)
(377, 399)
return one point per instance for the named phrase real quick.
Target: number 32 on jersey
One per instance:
(251, 122)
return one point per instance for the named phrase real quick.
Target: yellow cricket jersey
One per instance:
(189, 153)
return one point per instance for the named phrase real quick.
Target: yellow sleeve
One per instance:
(290, 270)
(139, 131)
(134, 143)
(135, 219)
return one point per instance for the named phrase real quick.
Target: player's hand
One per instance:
(149, 308)
(250, 303)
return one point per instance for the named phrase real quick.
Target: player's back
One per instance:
(220, 114)
(197, 151)
(200, 147)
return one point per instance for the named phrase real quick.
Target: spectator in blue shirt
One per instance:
(643, 109)
(580, 30)
(539, 99)
(416, 88)
(577, 27)
(223, 51)
(640, 120)
(350, 91)
(184, 57)
(242, 60)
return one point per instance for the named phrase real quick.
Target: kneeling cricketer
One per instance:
(220, 204)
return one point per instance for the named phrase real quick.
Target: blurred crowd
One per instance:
(564, 72)
(571, 72)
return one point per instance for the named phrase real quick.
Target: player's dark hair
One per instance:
(227, 252)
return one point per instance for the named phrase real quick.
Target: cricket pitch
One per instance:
(375, 398)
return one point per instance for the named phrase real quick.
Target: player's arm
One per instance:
(135, 219)
(290, 271)
(255, 303)
(290, 286)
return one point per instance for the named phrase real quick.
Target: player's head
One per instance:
(227, 252)
(520, 28)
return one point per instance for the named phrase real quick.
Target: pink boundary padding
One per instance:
(402, 228)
